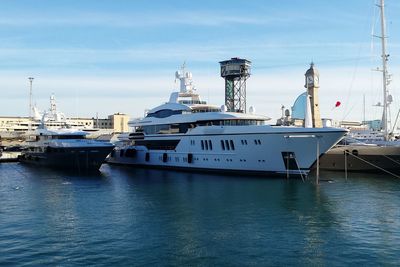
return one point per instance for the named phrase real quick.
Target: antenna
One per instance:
(185, 78)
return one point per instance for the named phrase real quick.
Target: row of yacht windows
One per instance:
(206, 145)
(192, 102)
(47, 137)
(131, 153)
(184, 127)
(197, 110)
(256, 142)
(227, 145)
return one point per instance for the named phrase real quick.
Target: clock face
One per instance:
(310, 80)
(316, 79)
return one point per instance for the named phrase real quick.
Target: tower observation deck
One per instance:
(235, 71)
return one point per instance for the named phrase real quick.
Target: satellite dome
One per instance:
(299, 107)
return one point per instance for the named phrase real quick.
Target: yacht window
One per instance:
(222, 144)
(227, 145)
(232, 145)
(202, 145)
(210, 144)
(183, 127)
(164, 113)
(166, 128)
(206, 143)
(130, 153)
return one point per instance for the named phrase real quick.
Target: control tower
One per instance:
(235, 71)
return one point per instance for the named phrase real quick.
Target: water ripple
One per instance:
(126, 216)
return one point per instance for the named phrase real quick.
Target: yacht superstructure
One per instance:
(187, 132)
(52, 119)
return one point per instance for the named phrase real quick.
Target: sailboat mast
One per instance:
(30, 103)
(384, 71)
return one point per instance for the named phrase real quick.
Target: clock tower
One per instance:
(312, 85)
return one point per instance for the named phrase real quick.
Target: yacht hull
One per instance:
(271, 152)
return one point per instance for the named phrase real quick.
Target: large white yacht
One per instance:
(186, 132)
(64, 148)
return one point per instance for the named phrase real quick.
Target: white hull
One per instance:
(262, 150)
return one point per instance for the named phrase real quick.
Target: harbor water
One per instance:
(128, 216)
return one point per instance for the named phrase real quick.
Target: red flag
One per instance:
(337, 104)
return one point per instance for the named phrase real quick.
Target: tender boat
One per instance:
(187, 133)
(64, 148)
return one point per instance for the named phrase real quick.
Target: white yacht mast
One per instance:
(385, 78)
(185, 78)
(30, 103)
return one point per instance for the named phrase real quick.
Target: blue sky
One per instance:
(120, 56)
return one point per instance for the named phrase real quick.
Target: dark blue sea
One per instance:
(139, 217)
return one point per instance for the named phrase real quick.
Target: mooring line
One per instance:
(376, 166)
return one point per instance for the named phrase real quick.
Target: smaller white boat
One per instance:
(64, 148)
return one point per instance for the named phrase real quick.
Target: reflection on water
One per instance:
(132, 216)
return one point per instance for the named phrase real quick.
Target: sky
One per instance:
(107, 56)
